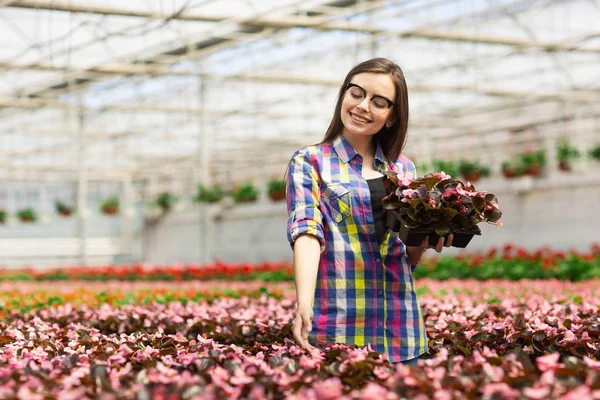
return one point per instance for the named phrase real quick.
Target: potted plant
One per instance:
(212, 194)
(276, 189)
(511, 169)
(472, 171)
(2, 216)
(110, 206)
(245, 193)
(63, 209)
(27, 215)
(595, 153)
(532, 162)
(450, 167)
(565, 153)
(437, 205)
(166, 201)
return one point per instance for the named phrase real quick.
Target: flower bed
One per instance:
(493, 339)
(509, 262)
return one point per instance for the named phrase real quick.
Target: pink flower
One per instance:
(410, 193)
(442, 175)
(374, 391)
(329, 389)
(548, 362)
(406, 178)
(506, 391)
(537, 393)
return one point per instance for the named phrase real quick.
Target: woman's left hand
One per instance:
(440, 244)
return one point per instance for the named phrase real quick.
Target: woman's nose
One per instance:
(364, 104)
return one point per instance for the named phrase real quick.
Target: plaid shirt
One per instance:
(365, 291)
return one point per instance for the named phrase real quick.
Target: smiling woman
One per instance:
(353, 276)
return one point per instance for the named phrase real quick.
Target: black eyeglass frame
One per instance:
(350, 84)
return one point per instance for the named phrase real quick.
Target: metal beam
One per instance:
(316, 22)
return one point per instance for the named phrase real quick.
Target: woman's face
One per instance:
(366, 115)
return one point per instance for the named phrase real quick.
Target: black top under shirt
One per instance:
(378, 192)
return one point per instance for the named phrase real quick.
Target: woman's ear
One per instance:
(389, 123)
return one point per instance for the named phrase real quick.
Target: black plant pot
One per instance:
(415, 236)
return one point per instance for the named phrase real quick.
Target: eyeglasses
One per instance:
(356, 94)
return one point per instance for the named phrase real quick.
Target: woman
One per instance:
(353, 276)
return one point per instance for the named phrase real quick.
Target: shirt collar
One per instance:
(346, 152)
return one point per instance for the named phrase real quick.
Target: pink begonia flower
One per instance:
(257, 392)
(408, 193)
(374, 391)
(537, 393)
(329, 389)
(442, 175)
(309, 362)
(496, 374)
(381, 372)
(579, 393)
(550, 361)
(436, 374)
(405, 179)
(72, 394)
(591, 363)
(25, 393)
(506, 391)
(240, 378)
(569, 336)
(442, 395)
(448, 193)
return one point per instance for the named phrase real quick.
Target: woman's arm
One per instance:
(307, 251)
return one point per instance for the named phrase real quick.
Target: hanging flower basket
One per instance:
(435, 206)
(472, 171)
(276, 189)
(247, 193)
(110, 206)
(63, 210)
(27, 215)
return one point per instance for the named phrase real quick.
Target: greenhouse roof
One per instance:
(224, 90)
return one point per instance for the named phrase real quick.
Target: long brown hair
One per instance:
(390, 139)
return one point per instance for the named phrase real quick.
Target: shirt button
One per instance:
(380, 324)
(378, 260)
(381, 292)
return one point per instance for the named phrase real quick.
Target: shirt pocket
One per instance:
(336, 197)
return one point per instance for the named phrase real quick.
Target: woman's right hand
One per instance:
(301, 325)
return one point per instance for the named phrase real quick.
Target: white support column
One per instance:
(207, 219)
(82, 188)
(127, 214)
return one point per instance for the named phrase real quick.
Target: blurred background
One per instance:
(160, 131)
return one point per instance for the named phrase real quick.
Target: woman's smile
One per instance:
(358, 119)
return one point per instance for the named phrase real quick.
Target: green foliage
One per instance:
(469, 167)
(595, 153)
(450, 167)
(275, 186)
(212, 194)
(62, 208)
(532, 158)
(27, 215)
(245, 193)
(565, 151)
(166, 201)
(571, 268)
(2, 216)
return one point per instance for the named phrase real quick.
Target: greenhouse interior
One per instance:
(102, 101)
(150, 140)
